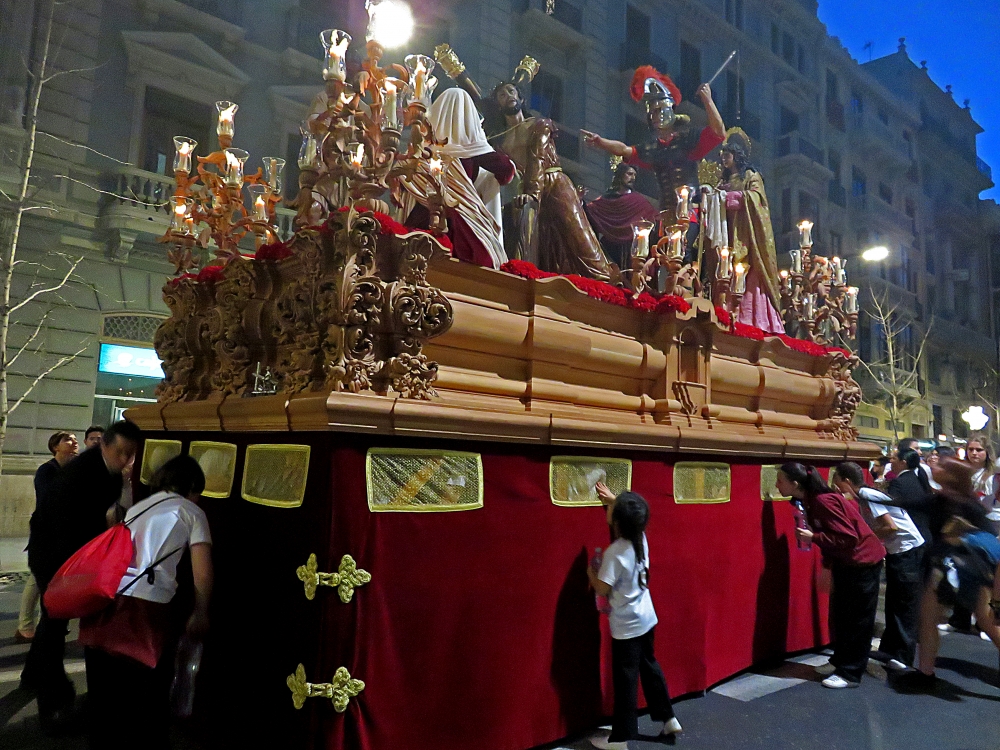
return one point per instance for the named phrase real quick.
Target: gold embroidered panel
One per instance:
(768, 476)
(698, 482)
(572, 479)
(218, 461)
(155, 453)
(276, 475)
(417, 480)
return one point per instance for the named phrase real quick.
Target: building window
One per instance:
(802, 60)
(775, 39)
(637, 34)
(833, 162)
(836, 244)
(857, 103)
(958, 425)
(870, 423)
(885, 193)
(734, 13)
(164, 117)
(788, 48)
(569, 14)
(832, 87)
(546, 95)
(788, 121)
(128, 368)
(690, 78)
(938, 420)
(929, 262)
(859, 183)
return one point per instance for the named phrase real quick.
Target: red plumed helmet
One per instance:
(638, 87)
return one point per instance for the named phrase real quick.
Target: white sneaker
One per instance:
(604, 743)
(671, 727)
(945, 628)
(984, 635)
(825, 669)
(896, 664)
(836, 682)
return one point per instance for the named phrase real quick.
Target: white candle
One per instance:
(419, 76)
(740, 282)
(640, 233)
(358, 157)
(796, 260)
(235, 157)
(185, 147)
(227, 114)
(722, 272)
(851, 300)
(391, 120)
(805, 233)
(260, 209)
(683, 207)
(335, 42)
(675, 249)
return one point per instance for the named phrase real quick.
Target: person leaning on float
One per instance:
(854, 555)
(132, 641)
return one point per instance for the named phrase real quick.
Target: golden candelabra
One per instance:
(816, 302)
(209, 205)
(667, 254)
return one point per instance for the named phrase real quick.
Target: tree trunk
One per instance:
(11, 220)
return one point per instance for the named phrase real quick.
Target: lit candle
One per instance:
(640, 239)
(179, 213)
(235, 158)
(740, 282)
(674, 249)
(358, 157)
(796, 260)
(683, 207)
(227, 113)
(435, 165)
(189, 226)
(185, 147)
(391, 120)
(420, 74)
(335, 43)
(805, 233)
(839, 276)
(851, 300)
(784, 278)
(722, 272)
(420, 67)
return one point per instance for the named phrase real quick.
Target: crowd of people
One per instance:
(164, 594)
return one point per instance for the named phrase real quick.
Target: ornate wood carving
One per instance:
(348, 310)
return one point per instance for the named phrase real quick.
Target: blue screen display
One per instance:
(130, 360)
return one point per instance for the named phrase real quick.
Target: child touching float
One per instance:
(623, 578)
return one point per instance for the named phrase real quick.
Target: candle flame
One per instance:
(185, 149)
(783, 274)
(227, 114)
(724, 252)
(435, 165)
(836, 260)
(390, 88)
(675, 237)
(259, 203)
(341, 47)
(683, 190)
(180, 209)
(805, 224)
(231, 161)
(358, 157)
(740, 269)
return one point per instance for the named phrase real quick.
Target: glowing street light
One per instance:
(875, 254)
(975, 417)
(390, 22)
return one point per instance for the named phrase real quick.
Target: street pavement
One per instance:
(782, 707)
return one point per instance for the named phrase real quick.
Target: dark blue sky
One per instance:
(960, 41)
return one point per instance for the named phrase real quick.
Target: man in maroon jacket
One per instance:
(854, 555)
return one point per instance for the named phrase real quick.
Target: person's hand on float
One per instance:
(605, 494)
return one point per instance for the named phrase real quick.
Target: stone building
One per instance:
(873, 153)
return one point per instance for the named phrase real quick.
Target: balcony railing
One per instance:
(835, 115)
(793, 143)
(984, 169)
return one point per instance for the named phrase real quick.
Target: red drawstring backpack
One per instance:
(88, 581)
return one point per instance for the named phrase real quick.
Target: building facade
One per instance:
(873, 154)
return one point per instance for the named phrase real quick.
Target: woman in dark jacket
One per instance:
(854, 555)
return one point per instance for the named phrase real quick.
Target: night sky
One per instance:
(959, 40)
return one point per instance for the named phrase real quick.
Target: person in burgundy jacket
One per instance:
(854, 555)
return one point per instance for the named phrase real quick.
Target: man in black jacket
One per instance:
(69, 514)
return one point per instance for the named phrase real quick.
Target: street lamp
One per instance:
(975, 417)
(390, 22)
(875, 254)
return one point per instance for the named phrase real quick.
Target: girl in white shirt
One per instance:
(624, 578)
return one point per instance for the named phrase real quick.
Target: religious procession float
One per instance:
(403, 411)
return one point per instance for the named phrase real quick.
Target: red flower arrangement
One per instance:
(210, 274)
(183, 277)
(723, 315)
(274, 251)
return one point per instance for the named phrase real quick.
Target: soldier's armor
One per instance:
(671, 164)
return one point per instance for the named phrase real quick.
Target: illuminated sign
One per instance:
(130, 360)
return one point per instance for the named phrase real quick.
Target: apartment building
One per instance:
(873, 154)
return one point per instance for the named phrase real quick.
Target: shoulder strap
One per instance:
(148, 571)
(146, 510)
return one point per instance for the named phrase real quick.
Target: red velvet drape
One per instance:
(478, 630)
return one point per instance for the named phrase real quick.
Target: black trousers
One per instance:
(904, 580)
(632, 659)
(43, 667)
(127, 702)
(855, 602)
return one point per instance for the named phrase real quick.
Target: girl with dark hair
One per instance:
(854, 555)
(130, 645)
(623, 577)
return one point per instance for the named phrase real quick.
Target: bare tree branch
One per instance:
(59, 73)
(85, 148)
(31, 338)
(38, 292)
(42, 375)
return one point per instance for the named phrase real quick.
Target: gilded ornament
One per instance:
(348, 577)
(709, 173)
(340, 690)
